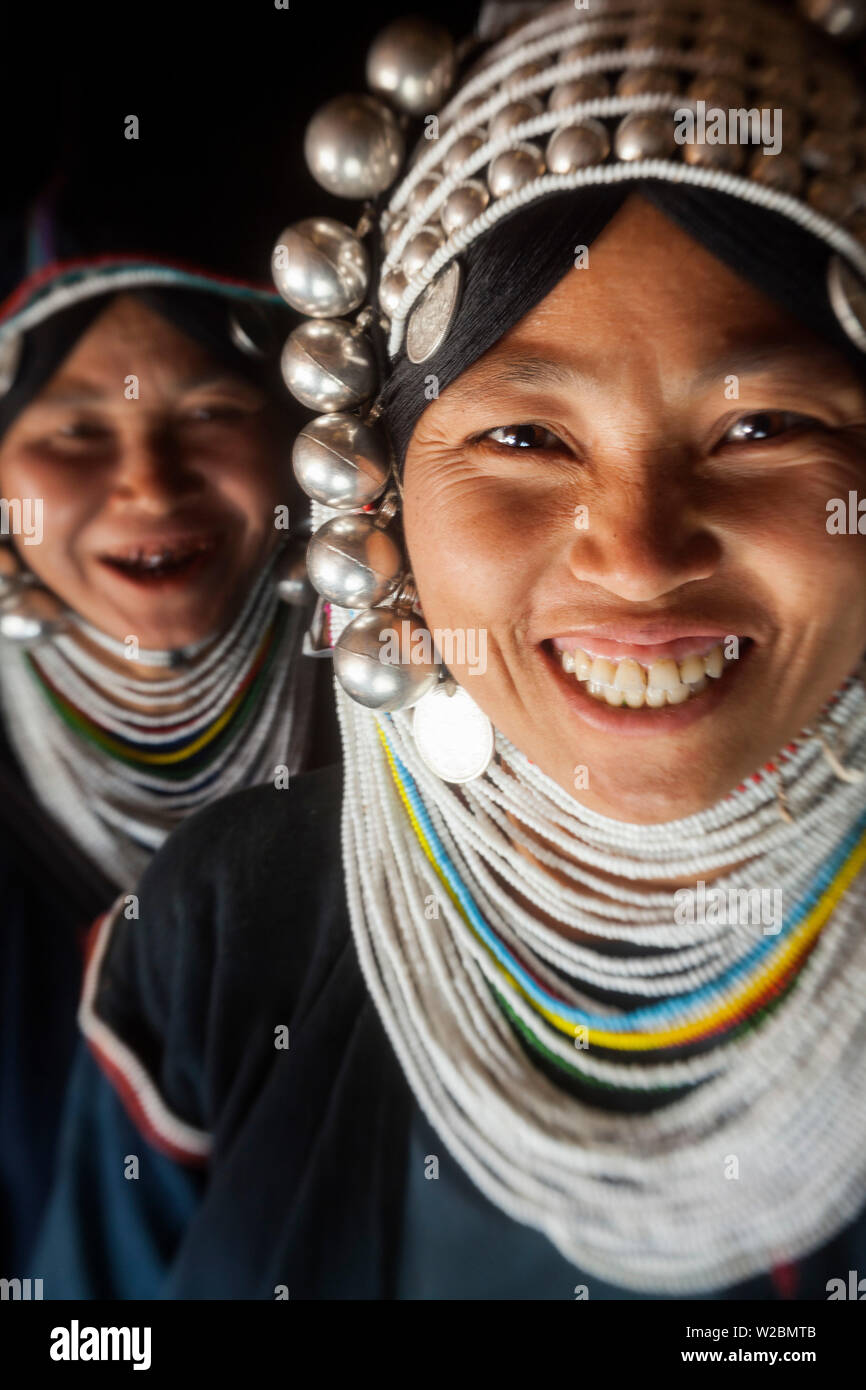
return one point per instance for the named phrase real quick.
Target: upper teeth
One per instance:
(152, 559)
(627, 682)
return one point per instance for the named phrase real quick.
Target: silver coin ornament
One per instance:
(353, 562)
(328, 365)
(32, 615)
(452, 735)
(384, 660)
(433, 314)
(341, 462)
(412, 64)
(354, 147)
(321, 268)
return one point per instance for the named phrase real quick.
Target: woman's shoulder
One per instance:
(237, 919)
(248, 825)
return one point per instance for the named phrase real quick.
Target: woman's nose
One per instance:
(150, 474)
(642, 534)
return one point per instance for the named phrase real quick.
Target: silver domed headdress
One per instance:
(564, 99)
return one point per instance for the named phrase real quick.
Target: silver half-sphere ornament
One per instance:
(644, 135)
(420, 249)
(385, 660)
(847, 293)
(843, 19)
(394, 229)
(290, 576)
(32, 615)
(729, 157)
(412, 63)
(391, 290)
(514, 168)
(353, 562)
(590, 87)
(341, 462)
(461, 207)
(354, 147)
(576, 146)
(320, 267)
(515, 113)
(327, 365)
(461, 150)
(423, 189)
(452, 734)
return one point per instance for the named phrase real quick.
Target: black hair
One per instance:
(516, 264)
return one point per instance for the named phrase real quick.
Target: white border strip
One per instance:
(176, 1133)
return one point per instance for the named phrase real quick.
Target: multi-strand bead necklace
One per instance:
(750, 1043)
(119, 761)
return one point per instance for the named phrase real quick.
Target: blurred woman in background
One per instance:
(147, 662)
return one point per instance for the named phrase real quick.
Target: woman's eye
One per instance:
(764, 424)
(226, 412)
(76, 437)
(81, 429)
(523, 437)
(208, 413)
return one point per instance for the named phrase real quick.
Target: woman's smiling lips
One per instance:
(648, 679)
(164, 561)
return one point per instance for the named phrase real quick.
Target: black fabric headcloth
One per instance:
(518, 262)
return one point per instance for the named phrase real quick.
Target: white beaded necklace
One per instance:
(120, 813)
(645, 1201)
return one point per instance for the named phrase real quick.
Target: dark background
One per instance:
(223, 93)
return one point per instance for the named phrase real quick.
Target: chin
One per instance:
(160, 631)
(624, 786)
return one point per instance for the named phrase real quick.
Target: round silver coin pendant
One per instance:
(452, 735)
(431, 318)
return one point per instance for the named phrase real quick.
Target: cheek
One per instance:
(473, 543)
(252, 481)
(70, 496)
(817, 577)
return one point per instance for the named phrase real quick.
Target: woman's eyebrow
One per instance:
(70, 391)
(525, 370)
(533, 369)
(789, 357)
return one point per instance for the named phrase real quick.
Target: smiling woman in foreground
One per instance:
(498, 1011)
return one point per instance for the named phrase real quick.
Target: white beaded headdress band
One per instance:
(566, 98)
